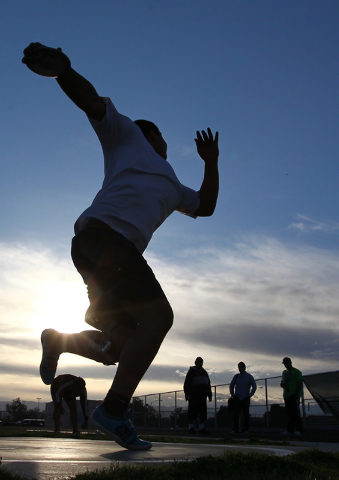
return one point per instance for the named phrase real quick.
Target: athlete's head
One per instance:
(153, 136)
(78, 385)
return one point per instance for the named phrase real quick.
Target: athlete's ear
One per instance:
(152, 135)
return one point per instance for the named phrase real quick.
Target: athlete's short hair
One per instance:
(146, 126)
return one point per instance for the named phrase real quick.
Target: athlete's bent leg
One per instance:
(73, 414)
(94, 345)
(91, 344)
(155, 318)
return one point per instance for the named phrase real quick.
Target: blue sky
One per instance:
(255, 282)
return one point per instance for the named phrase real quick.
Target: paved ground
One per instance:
(46, 459)
(322, 433)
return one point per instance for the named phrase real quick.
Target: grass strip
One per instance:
(306, 465)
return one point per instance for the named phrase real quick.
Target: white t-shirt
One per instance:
(245, 385)
(140, 189)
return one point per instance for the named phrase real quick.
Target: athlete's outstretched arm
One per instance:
(76, 87)
(82, 93)
(208, 149)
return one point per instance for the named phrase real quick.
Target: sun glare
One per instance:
(62, 305)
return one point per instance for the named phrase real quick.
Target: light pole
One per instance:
(38, 398)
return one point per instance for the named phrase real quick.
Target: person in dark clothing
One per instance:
(68, 387)
(197, 388)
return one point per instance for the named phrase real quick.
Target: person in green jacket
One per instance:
(292, 383)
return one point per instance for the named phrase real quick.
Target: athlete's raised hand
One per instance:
(207, 146)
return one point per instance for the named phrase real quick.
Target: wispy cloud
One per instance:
(309, 225)
(188, 150)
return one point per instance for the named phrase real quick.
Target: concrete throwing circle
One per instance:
(45, 458)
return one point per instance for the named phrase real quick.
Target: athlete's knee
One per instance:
(166, 317)
(154, 316)
(170, 318)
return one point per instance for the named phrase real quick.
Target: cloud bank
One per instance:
(255, 301)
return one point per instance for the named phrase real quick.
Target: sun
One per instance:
(61, 305)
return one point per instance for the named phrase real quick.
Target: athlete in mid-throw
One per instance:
(127, 304)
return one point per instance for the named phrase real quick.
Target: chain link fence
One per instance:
(168, 410)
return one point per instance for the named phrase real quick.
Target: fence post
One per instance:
(215, 407)
(145, 411)
(266, 398)
(175, 409)
(159, 422)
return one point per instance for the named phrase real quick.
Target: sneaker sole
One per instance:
(118, 439)
(42, 370)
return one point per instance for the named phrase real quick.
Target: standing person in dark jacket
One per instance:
(197, 388)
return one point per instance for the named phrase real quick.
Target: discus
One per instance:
(47, 61)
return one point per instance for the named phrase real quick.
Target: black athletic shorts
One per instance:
(114, 271)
